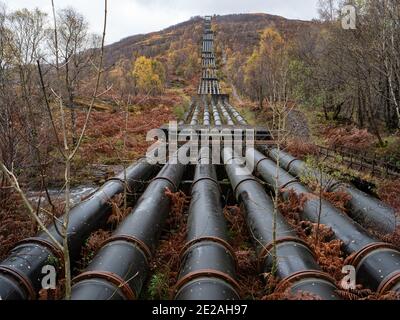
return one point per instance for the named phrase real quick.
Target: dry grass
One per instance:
(15, 224)
(248, 275)
(166, 262)
(300, 149)
(328, 250)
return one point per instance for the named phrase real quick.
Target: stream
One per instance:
(77, 194)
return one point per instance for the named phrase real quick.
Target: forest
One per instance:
(75, 112)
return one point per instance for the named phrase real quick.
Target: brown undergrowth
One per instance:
(164, 268)
(15, 224)
(327, 250)
(300, 149)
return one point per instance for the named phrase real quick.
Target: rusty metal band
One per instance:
(203, 179)
(124, 183)
(243, 181)
(208, 273)
(288, 183)
(290, 163)
(268, 247)
(220, 241)
(361, 254)
(166, 179)
(109, 277)
(21, 279)
(259, 161)
(303, 275)
(48, 245)
(137, 242)
(387, 284)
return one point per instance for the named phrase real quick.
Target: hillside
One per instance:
(176, 45)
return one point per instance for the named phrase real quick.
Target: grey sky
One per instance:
(129, 17)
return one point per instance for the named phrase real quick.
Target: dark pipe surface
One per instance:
(296, 262)
(119, 269)
(208, 261)
(21, 272)
(365, 209)
(377, 264)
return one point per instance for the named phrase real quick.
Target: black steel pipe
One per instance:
(208, 261)
(21, 272)
(119, 269)
(225, 114)
(195, 117)
(366, 210)
(216, 115)
(377, 264)
(296, 264)
(235, 113)
(187, 114)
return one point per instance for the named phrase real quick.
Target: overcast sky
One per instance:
(130, 17)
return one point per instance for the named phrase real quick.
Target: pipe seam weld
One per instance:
(359, 256)
(390, 281)
(48, 245)
(124, 183)
(288, 184)
(20, 278)
(268, 247)
(204, 179)
(167, 179)
(259, 162)
(110, 277)
(303, 275)
(133, 240)
(243, 181)
(220, 241)
(208, 273)
(290, 164)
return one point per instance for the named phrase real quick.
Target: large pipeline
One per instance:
(225, 114)
(216, 115)
(208, 261)
(195, 117)
(235, 113)
(377, 264)
(119, 269)
(187, 114)
(206, 116)
(296, 265)
(366, 210)
(21, 272)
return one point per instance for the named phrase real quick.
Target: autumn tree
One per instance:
(149, 75)
(266, 69)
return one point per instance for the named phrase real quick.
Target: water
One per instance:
(76, 195)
